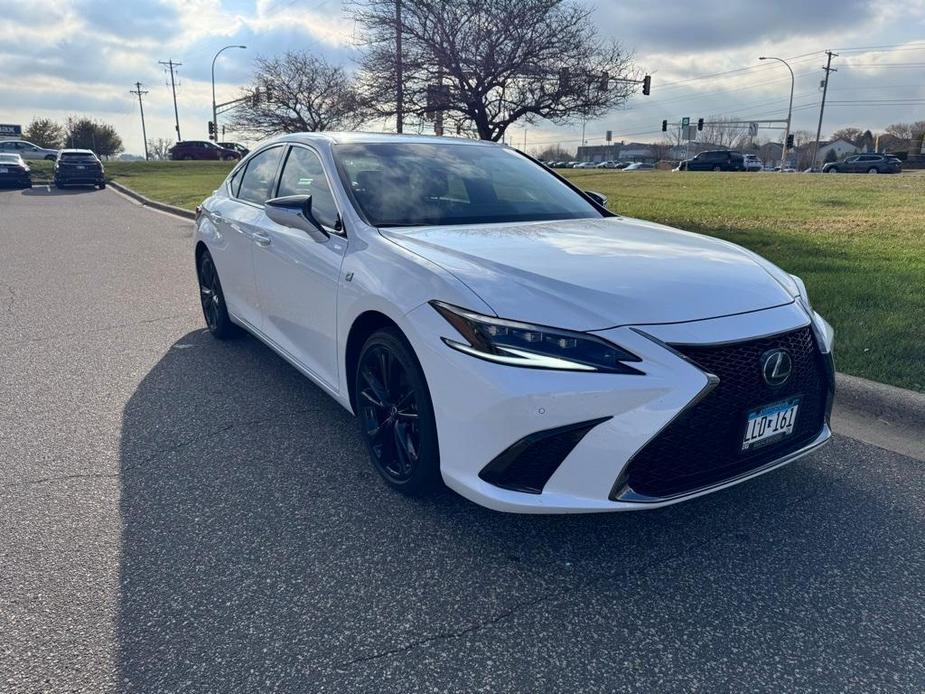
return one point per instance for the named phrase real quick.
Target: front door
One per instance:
(298, 276)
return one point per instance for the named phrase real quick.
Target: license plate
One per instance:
(3, 169)
(770, 423)
(81, 166)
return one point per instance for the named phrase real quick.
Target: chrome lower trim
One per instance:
(629, 496)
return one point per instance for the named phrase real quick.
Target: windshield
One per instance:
(9, 158)
(405, 184)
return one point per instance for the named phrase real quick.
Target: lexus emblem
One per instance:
(776, 366)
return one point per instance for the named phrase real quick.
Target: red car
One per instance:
(202, 149)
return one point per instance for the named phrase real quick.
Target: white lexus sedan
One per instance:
(498, 330)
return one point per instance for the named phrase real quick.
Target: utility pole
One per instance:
(399, 75)
(825, 88)
(173, 87)
(140, 92)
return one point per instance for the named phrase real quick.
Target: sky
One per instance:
(81, 57)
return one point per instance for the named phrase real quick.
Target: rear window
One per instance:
(83, 156)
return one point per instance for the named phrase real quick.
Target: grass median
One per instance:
(857, 241)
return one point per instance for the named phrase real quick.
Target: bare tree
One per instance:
(300, 92)
(159, 148)
(485, 64)
(851, 135)
(720, 131)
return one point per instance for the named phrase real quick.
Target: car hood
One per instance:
(593, 274)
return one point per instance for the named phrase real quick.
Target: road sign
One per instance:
(685, 121)
(10, 130)
(691, 132)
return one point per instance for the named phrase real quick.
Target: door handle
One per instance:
(262, 238)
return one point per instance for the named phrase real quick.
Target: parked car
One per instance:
(865, 163)
(584, 165)
(456, 296)
(638, 166)
(202, 150)
(715, 160)
(610, 165)
(27, 150)
(753, 163)
(239, 148)
(14, 171)
(80, 167)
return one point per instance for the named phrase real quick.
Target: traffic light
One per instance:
(789, 141)
(699, 124)
(646, 85)
(664, 126)
(211, 129)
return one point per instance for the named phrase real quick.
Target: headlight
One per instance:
(533, 346)
(803, 295)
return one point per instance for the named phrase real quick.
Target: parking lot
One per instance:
(179, 514)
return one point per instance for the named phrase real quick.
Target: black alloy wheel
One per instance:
(213, 300)
(396, 414)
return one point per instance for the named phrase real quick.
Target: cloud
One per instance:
(716, 24)
(137, 19)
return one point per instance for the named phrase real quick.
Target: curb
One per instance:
(880, 400)
(148, 202)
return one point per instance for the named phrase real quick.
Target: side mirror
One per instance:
(599, 198)
(295, 211)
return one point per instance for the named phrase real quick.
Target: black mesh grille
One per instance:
(703, 445)
(528, 464)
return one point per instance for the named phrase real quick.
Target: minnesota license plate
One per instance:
(770, 423)
(3, 169)
(81, 166)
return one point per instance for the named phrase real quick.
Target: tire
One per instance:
(101, 186)
(50, 157)
(212, 299)
(396, 415)
(59, 185)
(873, 170)
(831, 170)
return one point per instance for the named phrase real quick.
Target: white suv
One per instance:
(753, 163)
(27, 150)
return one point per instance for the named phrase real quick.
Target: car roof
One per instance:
(337, 138)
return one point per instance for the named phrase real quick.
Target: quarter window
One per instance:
(260, 176)
(303, 174)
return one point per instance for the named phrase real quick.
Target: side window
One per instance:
(260, 175)
(235, 182)
(303, 174)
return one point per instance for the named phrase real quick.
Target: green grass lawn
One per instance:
(857, 241)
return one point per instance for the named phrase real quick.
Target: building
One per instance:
(833, 150)
(619, 151)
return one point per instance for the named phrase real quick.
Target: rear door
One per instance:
(298, 276)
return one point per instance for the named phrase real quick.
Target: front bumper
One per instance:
(484, 410)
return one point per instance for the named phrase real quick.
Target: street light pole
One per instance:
(214, 109)
(783, 150)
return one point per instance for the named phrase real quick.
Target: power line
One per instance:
(141, 92)
(173, 88)
(825, 88)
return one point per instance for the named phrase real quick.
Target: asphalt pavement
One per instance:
(183, 515)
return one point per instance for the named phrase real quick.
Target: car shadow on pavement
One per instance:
(261, 551)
